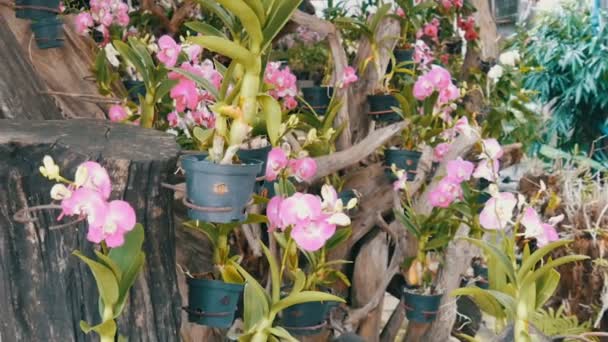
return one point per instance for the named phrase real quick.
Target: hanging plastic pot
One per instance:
(48, 33)
(41, 9)
(21, 9)
(381, 108)
(212, 302)
(260, 154)
(421, 308)
(404, 55)
(134, 88)
(215, 192)
(306, 319)
(346, 196)
(454, 46)
(481, 273)
(403, 159)
(318, 98)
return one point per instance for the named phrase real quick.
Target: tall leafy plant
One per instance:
(569, 65)
(252, 26)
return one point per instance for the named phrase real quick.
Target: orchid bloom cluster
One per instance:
(449, 4)
(283, 84)
(313, 220)
(349, 76)
(303, 169)
(103, 15)
(423, 55)
(302, 35)
(191, 102)
(438, 79)
(430, 30)
(88, 197)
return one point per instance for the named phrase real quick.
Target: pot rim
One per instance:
(192, 162)
(214, 284)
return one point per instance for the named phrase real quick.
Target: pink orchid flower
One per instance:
(535, 228)
(422, 53)
(173, 119)
(117, 113)
(96, 178)
(440, 77)
(273, 212)
(300, 208)
(289, 103)
(312, 235)
(193, 51)
(277, 161)
(169, 51)
(303, 169)
(487, 170)
(430, 30)
(459, 170)
(86, 202)
(349, 77)
(185, 95)
(423, 88)
(491, 149)
(440, 151)
(462, 126)
(497, 211)
(120, 219)
(449, 94)
(83, 22)
(400, 12)
(445, 193)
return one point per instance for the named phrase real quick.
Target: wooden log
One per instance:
(372, 256)
(19, 83)
(44, 290)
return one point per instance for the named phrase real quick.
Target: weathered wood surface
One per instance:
(19, 83)
(65, 71)
(44, 290)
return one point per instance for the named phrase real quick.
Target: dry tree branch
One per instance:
(179, 15)
(329, 164)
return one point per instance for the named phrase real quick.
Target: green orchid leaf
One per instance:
(282, 334)
(532, 277)
(277, 19)
(206, 228)
(486, 302)
(529, 262)
(304, 297)
(104, 277)
(545, 287)
(273, 113)
(109, 263)
(498, 256)
(129, 56)
(164, 88)
(226, 48)
(299, 282)
(107, 328)
(338, 238)
(205, 29)
(231, 275)
(248, 18)
(255, 299)
(124, 255)
(274, 273)
(127, 281)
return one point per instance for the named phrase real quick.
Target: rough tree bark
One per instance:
(19, 83)
(65, 72)
(44, 290)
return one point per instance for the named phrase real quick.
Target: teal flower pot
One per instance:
(48, 33)
(218, 193)
(421, 308)
(318, 98)
(404, 55)
(212, 302)
(380, 108)
(481, 272)
(23, 13)
(306, 319)
(134, 88)
(260, 154)
(346, 196)
(46, 9)
(403, 159)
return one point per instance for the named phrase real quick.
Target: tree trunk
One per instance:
(19, 84)
(44, 290)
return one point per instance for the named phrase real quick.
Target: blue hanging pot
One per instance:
(318, 98)
(215, 192)
(257, 154)
(212, 302)
(380, 108)
(403, 159)
(306, 319)
(21, 9)
(48, 32)
(421, 308)
(42, 9)
(482, 273)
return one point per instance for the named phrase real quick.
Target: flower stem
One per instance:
(147, 111)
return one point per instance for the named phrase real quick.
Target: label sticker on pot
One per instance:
(220, 189)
